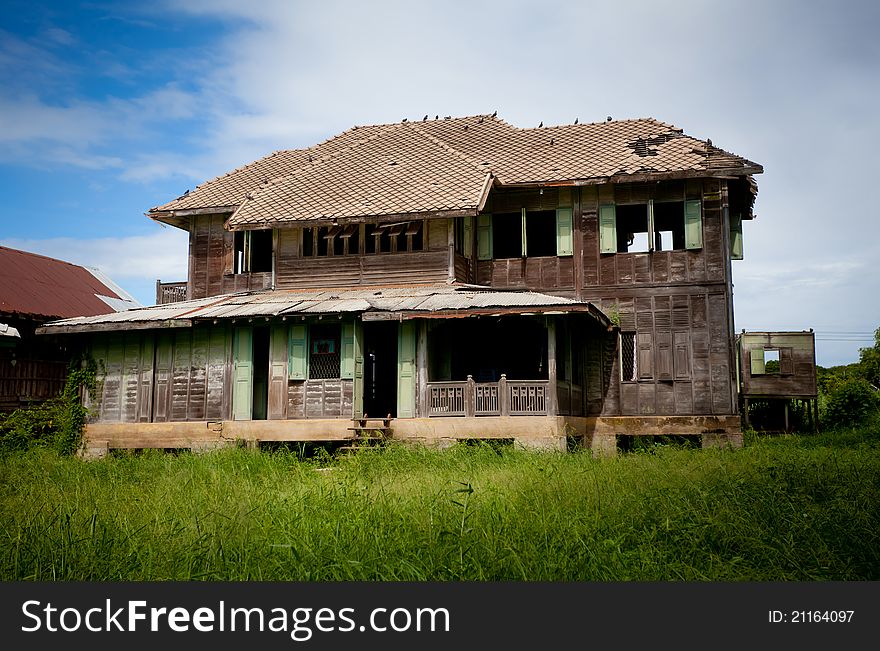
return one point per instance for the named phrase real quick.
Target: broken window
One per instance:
(651, 226)
(324, 353)
(252, 251)
(628, 356)
(632, 228)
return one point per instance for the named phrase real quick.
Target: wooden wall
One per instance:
(320, 399)
(210, 261)
(40, 367)
(677, 303)
(170, 375)
(797, 365)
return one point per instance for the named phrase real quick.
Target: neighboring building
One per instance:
(777, 373)
(462, 276)
(35, 289)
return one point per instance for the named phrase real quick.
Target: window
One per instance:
(331, 240)
(628, 356)
(324, 352)
(252, 251)
(652, 226)
(464, 236)
(321, 351)
(394, 238)
(524, 233)
(771, 361)
(507, 235)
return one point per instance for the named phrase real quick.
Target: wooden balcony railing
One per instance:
(170, 292)
(502, 398)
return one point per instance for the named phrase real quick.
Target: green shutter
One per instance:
(347, 350)
(756, 358)
(468, 224)
(406, 370)
(484, 237)
(298, 351)
(564, 233)
(242, 374)
(358, 389)
(736, 237)
(693, 225)
(607, 229)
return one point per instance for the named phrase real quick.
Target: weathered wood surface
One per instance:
(320, 398)
(796, 377)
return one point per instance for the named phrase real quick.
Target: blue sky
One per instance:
(111, 108)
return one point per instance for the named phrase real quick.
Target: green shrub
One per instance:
(56, 423)
(851, 403)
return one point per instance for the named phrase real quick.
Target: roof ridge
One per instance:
(478, 166)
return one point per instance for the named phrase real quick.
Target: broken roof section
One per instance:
(374, 303)
(36, 285)
(442, 167)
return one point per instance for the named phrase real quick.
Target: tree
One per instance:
(869, 361)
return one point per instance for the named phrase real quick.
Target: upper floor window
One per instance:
(525, 233)
(651, 226)
(394, 238)
(331, 240)
(252, 251)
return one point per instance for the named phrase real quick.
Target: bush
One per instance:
(851, 403)
(57, 423)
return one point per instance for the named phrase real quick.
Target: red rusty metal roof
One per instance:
(35, 285)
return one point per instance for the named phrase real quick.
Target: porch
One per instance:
(503, 398)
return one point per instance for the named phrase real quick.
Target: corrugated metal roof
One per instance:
(45, 287)
(418, 300)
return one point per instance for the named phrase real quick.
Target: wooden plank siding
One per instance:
(677, 302)
(157, 376)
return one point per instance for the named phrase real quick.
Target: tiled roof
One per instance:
(416, 301)
(35, 285)
(442, 165)
(230, 189)
(394, 171)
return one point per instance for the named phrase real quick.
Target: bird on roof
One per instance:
(403, 120)
(709, 141)
(608, 119)
(541, 124)
(425, 118)
(576, 120)
(494, 114)
(436, 117)
(186, 193)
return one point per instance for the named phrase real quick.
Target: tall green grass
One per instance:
(792, 508)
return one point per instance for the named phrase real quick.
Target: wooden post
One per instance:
(422, 369)
(469, 391)
(503, 396)
(551, 366)
(785, 411)
(450, 243)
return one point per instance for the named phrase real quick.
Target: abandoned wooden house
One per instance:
(35, 289)
(778, 386)
(460, 278)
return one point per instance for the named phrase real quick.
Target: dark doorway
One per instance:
(261, 373)
(380, 369)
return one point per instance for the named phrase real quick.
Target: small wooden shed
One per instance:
(778, 368)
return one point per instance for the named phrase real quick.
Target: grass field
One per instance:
(788, 508)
